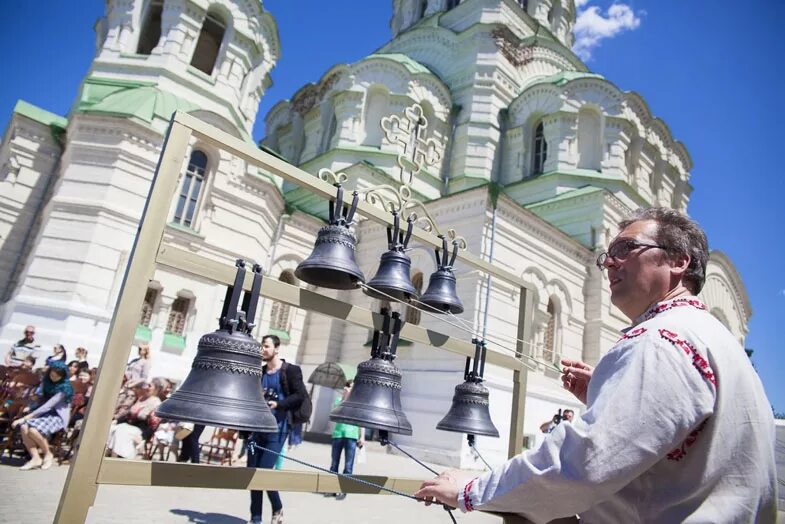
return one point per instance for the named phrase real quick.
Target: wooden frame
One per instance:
(90, 468)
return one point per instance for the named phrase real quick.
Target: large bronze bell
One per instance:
(393, 279)
(332, 263)
(469, 412)
(375, 400)
(224, 387)
(441, 294)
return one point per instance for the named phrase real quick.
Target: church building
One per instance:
(535, 161)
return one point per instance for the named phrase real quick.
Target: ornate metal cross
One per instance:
(409, 133)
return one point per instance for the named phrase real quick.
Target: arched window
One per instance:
(589, 139)
(147, 306)
(539, 150)
(191, 189)
(209, 43)
(177, 316)
(280, 315)
(375, 110)
(412, 313)
(423, 7)
(549, 340)
(151, 28)
(329, 125)
(452, 3)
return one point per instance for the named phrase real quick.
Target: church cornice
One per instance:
(736, 283)
(521, 51)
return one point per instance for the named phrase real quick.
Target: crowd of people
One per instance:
(46, 398)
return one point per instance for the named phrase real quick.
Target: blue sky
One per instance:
(710, 69)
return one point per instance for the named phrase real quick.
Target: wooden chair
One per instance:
(20, 385)
(221, 446)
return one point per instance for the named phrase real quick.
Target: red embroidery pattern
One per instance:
(678, 302)
(467, 500)
(697, 360)
(633, 333)
(681, 452)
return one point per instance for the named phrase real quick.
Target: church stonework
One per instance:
(538, 160)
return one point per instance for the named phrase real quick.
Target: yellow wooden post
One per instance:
(81, 484)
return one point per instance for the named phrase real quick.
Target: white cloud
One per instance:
(592, 26)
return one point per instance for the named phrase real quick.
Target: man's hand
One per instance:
(444, 488)
(273, 404)
(575, 377)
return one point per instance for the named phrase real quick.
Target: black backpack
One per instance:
(301, 415)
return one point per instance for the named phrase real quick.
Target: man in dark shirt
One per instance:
(284, 392)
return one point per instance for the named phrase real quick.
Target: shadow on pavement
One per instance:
(207, 518)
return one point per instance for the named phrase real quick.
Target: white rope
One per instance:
(441, 317)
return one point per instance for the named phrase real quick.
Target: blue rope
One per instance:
(252, 446)
(255, 445)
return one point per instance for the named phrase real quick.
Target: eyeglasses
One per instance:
(621, 250)
(29, 332)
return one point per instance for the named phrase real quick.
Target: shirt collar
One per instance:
(666, 305)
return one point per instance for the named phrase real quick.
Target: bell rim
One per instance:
(219, 423)
(356, 278)
(406, 430)
(467, 431)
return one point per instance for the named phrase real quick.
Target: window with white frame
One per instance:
(549, 340)
(151, 27)
(209, 43)
(280, 314)
(178, 314)
(147, 306)
(539, 149)
(191, 189)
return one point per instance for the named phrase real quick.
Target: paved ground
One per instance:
(32, 497)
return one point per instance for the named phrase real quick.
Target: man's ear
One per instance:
(679, 264)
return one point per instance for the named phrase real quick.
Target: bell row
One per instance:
(332, 263)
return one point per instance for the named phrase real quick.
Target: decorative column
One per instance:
(348, 106)
(615, 144)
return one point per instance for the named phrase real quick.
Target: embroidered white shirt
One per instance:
(677, 429)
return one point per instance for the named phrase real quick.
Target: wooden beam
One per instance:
(170, 474)
(80, 486)
(223, 273)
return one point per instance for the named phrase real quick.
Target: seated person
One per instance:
(49, 418)
(58, 353)
(28, 364)
(137, 425)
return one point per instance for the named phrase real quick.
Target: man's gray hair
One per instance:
(681, 236)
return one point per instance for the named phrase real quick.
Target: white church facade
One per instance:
(538, 160)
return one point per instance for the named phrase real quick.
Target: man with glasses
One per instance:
(25, 347)
(677, 426)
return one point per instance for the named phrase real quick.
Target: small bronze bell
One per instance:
(393, 279)
(469, 412)
(441, 294)
(332, 263)
(224, 387)
(375, 400)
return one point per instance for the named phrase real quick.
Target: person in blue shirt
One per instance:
(284, 392)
